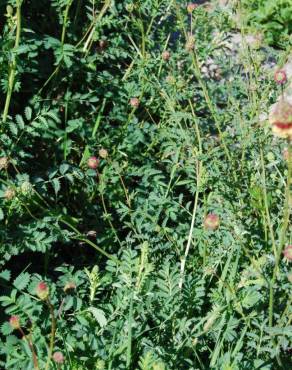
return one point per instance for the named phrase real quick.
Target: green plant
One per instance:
(144, 202)
(273, 18)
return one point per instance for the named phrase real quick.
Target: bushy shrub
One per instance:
(142, 194)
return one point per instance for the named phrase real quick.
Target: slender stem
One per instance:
(13, 65)
(80, 237)
(286, 215)
(53, 332)
(199, 171)
(129, 344)
(63, 35)
(34, 356)
(65, 21)
(184, 258)
(267, 205)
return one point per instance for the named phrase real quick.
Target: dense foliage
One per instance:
(272, 17)
(144, 201)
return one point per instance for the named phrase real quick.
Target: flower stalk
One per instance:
(13, 64)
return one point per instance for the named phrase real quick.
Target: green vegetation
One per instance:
(144, 198)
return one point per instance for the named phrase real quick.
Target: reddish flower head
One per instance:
(42, 291)
(191, 7)
(93, 163)
(280, 77)
(134, 102)
(211, 221)
(14, 322)
(281, 119)
(165, 55)
(58, 357)
(288, 252)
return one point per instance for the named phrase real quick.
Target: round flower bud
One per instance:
(26, 188)
(69, 287)
(280, 77)
(280, 118)
(211, 221)
(93, 163)
(4, 161)
(14, 322)
(102, 45)
(42, 291)
(134, 102)
(191, 7)
(165, 55)
(103, 153)
(58, 357)
(288, 252)
(9, 194)
(130, 7)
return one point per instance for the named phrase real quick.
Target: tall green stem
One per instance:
(286, 215)
(13, 65)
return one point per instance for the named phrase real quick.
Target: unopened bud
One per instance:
(14, 322)
(4, 163)
(93, 163)
(165, 55)
(9, 194)
(42, 291)
(103, 153)
(134, 102)
(191, 7)
(211, 221)
(58, 358)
